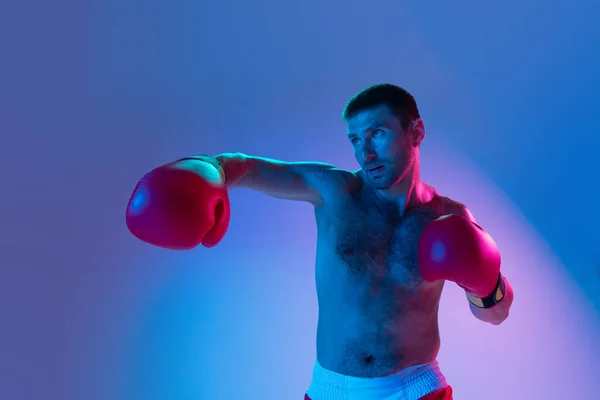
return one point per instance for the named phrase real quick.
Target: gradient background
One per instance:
(95, 93)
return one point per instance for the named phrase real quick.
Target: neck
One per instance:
(409, 191)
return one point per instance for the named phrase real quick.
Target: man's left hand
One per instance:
(456, 249)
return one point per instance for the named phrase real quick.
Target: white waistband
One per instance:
(411, 383)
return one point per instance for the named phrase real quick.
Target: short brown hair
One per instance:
(397, 99)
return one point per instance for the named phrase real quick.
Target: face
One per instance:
(385, 151)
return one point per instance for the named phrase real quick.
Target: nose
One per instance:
(368, 153)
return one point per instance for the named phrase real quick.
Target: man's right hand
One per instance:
(180, 205)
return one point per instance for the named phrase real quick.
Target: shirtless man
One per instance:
(386, 244)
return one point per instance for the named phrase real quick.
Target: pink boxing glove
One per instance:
(455, 249)
(181, 205)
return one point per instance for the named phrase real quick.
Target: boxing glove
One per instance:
(181, 205)
(455, 249)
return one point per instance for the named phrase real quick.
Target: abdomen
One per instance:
(370, 332)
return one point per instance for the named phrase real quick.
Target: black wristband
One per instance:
(494, 298)
(211, 160)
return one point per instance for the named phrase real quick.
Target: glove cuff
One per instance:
(494, 298)
(210, 160)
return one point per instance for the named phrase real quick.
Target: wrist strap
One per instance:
(211, 160)
(494, 298)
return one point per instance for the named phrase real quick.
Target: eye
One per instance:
(377, 132)
(354, 141)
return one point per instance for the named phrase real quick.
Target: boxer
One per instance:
(386, 244)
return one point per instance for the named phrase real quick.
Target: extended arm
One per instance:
(300, 181)
(184, 203)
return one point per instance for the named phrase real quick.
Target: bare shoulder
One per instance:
(333, 182)
(324, 172)
(450, 206)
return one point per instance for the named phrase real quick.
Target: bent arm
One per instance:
(500, 311)
(300, 181)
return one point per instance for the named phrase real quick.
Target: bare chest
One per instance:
(372, 241)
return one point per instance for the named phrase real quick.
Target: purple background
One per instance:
(95, 93)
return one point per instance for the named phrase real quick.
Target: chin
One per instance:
(382, 183)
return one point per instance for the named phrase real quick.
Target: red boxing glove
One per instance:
(455, 249)
(180, 205)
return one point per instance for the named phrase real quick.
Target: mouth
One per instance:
(375, 171)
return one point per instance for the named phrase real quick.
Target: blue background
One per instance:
(95, 93)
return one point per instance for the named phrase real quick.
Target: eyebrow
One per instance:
(370, 128)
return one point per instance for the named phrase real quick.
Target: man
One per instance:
(386, 244)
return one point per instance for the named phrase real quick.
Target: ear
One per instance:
(418, 129)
